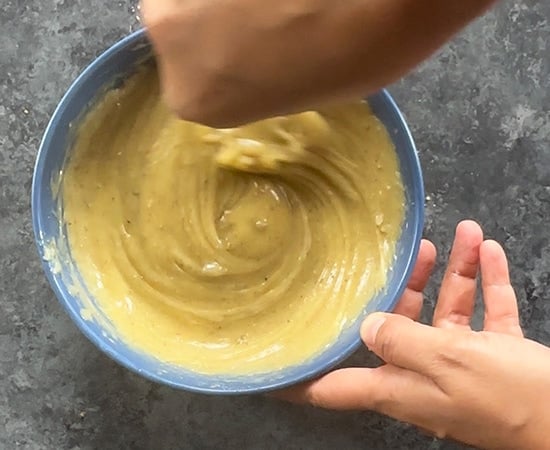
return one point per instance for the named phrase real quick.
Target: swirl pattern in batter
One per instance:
(230, 251)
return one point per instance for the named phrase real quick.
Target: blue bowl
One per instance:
(108, 70)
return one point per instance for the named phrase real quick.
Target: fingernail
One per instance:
(370, 328)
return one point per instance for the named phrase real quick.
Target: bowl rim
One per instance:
(103, 344)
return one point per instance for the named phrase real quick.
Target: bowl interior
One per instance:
(107, 71)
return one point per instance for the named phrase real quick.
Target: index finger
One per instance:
(410, 304)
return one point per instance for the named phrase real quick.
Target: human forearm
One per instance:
(226, 62)
(388, 38)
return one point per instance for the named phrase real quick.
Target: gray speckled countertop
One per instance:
(480, 113)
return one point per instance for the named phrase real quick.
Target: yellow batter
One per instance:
(230, 251)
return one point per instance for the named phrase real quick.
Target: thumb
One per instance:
(401, 342)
